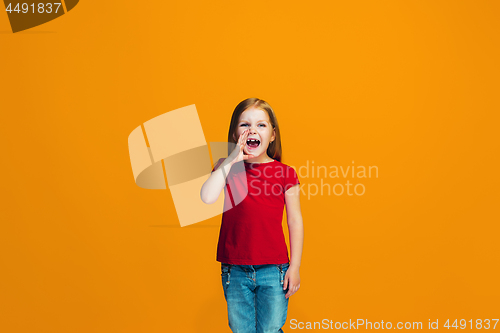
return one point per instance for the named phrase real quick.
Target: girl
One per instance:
(257, 276)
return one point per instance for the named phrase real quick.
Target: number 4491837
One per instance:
(40, 8)
(478, 324)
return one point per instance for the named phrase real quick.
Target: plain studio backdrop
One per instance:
(410, 87)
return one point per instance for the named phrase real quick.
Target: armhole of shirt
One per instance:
(217, 165)
(290, 170)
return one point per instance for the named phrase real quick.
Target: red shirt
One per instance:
(251, 232)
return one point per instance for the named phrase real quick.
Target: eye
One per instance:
(243, 125)
(262, 125)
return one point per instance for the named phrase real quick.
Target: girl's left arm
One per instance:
(296, 236)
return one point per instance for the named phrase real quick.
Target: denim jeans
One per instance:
(255, 297)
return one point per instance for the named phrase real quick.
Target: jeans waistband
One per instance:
(254, 267)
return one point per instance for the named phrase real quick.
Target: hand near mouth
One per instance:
(239, 153)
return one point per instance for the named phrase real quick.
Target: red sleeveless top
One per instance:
(251, 232)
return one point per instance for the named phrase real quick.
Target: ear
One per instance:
(273, 137)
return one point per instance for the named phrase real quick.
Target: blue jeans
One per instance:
(255, 297)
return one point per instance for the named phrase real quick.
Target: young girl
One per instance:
(257, 276)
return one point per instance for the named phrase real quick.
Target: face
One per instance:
(260, 134)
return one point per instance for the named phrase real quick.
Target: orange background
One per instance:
(408, 86)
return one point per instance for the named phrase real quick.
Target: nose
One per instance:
(252, 130)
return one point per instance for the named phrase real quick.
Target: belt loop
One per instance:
(280, 266)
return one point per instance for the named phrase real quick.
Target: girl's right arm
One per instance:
(212, 188)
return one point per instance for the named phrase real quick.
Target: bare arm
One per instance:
(212, 188)
(296, 236)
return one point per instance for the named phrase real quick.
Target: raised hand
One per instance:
(239, 153)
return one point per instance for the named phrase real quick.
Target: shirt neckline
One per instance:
(255, 163)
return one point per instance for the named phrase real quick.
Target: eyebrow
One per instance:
(257, 121)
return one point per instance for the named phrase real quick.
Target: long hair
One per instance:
(274, 148)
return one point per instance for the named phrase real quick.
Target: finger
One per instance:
(241, 141)
(245, 135)
(245, 138)
(246, 157)
(291, 291)
(242, 135)
(243, 147)
(285, 283)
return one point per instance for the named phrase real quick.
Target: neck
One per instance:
(264, 158)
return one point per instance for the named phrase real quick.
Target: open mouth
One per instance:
(253, 143)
